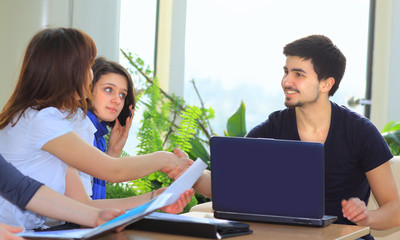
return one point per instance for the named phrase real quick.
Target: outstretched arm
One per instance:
(52, 204)
(385, 192)
(203, 184)
(74, 151)
(74, 189)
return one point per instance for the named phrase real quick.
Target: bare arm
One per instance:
(76, 190)
(203, 184)
(74, 151)
(52, 204)
(384, 189)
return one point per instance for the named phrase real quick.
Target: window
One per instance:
(234, 51)
(137, 35)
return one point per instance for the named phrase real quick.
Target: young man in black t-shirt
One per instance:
(356, 155)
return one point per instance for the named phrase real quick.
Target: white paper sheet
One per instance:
(185, 181)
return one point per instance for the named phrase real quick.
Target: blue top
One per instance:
(15, 186)
(99, 186)
(353, 147)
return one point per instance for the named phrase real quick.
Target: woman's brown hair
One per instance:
(101, 67)
(55, 73)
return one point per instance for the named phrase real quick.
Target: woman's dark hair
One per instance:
(55, 73)
(101, 67)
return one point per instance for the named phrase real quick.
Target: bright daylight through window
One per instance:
(234, 49)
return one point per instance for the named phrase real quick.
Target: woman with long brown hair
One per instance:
(45, 134)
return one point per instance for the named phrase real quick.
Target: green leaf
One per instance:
(236, 125)
(187, 128)
(392, 138)
(391, 126)
(199, 151)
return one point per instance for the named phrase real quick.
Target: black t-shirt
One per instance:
(14, 186)
(353, 146)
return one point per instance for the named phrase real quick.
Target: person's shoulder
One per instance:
(280, 115)
(83, 126)
(31, 115)
(48, 118)
(49, 112)
(351, 118)
(274, 122)
(343, 111)
(277, 118)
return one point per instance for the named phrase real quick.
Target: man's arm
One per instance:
(385, 192)
(203, 184)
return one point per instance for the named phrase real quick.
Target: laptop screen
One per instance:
(267, 176)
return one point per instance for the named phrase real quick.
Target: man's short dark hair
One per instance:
(327, 59)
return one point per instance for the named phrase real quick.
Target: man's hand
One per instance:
(182, 162)
(178, 171)
(356, 211)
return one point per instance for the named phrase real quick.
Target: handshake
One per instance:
(178, 163)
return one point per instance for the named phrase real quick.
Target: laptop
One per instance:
(268, 180)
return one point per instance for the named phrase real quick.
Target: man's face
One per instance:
(300, 82)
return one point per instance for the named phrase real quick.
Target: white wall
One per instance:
(100, 19)
(21, 19)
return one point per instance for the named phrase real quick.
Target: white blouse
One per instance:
(21, 145)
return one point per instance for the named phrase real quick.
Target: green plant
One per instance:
(168, 123)
(199, 130)
(120, 190)
(391, 134)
